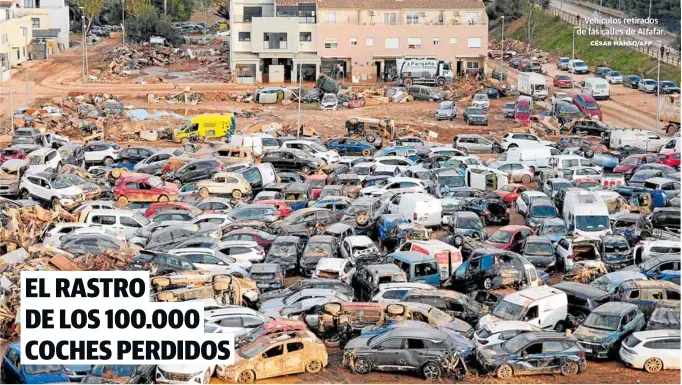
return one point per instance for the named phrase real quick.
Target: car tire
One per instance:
(178, 183)
(163, 198)
(512, 145)
(362, 365)
(559, 327)
(488, 283)
(366, 152)
(458, 240)
(236, 194)
(122, 201)
(108, 161)
(305, 170)
(464, 150)
(246, 376)
(569, 368)
(431, 371)
(525, 179)
(25, 194)
(204, 193)
(504, 371)
(653, 365)
(314, 366)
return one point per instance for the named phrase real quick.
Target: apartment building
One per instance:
(270, 38)
(366, 37)
(16, 35)
(57, 22)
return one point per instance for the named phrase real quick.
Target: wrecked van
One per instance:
(492, 268)
(10, 176)
(544, 307)
(367, 278)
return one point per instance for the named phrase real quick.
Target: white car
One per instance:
(224, 32)
(215, 218)
(522, 139)
(43, 160)
(580, 173)
(498, 332)
(329, 102)
(527, 197)
(481, 101)
(394, 161)
(193, 374)
(213, 260)
(394, 292)
(97, 152)
(646, 249)
(614, 77)
(243, 251)
(560, 96)
(653, 350)
(314, 149)
(335, 268)
(50, 188)
(238, 320)
(445, 151)
(397, 185)
(516, 171)
(354, 247)
(55, 231)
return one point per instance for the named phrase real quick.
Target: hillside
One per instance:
(554, 36)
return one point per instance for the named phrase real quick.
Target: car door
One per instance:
(41, 189)
(389, 352)
(10, 367)
(273, 361)
(530, 358)
(295, 358)
(472, 274)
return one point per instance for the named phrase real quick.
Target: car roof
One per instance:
(583, 289)
(264, 267)
(641, 284)
(411, 256)
(500, 326)
(615, 308)
(383, 268)
(421, 333)
(653, 334)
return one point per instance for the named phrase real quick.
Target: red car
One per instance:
(509, 237)
(284, 209)
(510, 192)
(562, 81)
(144, 188)
(628, 165)
(158, 207)
(12, 153)
(317, 182)
(262, 238)
(586, 183)
(522, 111)
(587, 105)
(672, 159)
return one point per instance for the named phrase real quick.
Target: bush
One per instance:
(149, 23)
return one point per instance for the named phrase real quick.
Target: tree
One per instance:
(532, 9)
(223, 9)
(135, 7)
(91, 10)
(147, 23)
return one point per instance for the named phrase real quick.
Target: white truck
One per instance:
(670, 113)
(533, 85)
(423, 71)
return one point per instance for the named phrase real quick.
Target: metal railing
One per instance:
(621, 41)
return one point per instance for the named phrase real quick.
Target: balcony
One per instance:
(274, 44)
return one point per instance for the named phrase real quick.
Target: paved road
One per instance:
(667, 38)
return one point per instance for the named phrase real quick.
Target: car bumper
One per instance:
(595, 350)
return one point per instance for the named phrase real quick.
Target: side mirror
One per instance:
(221, 263)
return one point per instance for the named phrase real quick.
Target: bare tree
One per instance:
(532, 9)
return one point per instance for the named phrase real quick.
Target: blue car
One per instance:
(350, 146)
(406, 151)
(607, 161)
(670, 275)
(418, 267)
(652, 268)
(11, 372)
(658, 197)
(385, 225)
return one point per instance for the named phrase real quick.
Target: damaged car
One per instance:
(310, 283)
(360, 250)
(488, 268)
(616, 252)
(318, 247)
(285, 251)
(492, 211)
(607, 326)
(456, 304)
(367, 278)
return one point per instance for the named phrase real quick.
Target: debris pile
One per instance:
(516, 48)
(186, 96)
(127, 60)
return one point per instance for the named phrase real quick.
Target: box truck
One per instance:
(533, 85)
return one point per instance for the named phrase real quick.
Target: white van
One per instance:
(269, 141)
(597, 87)
(642, 139)
(486, 179)
(562, 162)
(253, 142)
(119, 221)
(673, 145)
(421, 208)
(448, 257)
(586, 214)
(543, 306)
(537, 157)
(259, 175)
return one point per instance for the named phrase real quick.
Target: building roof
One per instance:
(392, 4)
(46, 33)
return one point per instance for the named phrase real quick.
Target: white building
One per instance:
(58, 13)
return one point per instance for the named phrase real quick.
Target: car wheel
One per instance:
(653, 365)
(313, 366)
(236, 194)
(305, 170)
(513, 145)
(204, 193)
(116, 173)
(589, 153)
(122, 201)
(366, 152)
(569, 368)
(108, 161)
(361, 365)
(458, 240)
(163, 198)
(504, 371)
(178, 182)
(488, 283)
(246, 376)
(431, 371)
(464, 150)
(559, 327)
(25, 194)
(525, 179)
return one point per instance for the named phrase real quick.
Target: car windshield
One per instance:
(113, 371)
(282, 249)
(602, 322)
(357, 208)
(617, 247)
(362, 170)
(539, 248)
(475, 111)
(253, 349)
(517, 343)
(668, 84)
(155, 181)
(317, 183)
(615, 73)
(42, 369)
(543, 211)
(564, 77)
(589, 185)
(592, 223)
(451, 181)
(555, 230)
(59, 183)
(630, 161)
(603, 283)
(71, 179)
(469, 223)
(591, 106)
(508, 188)
(318, 249)
(508, 311)
(35, 160)
(509, 105)
(522, 109)
(500, 236)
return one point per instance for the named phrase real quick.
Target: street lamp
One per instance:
(300, 93)
(83, 49)
(502, 56)
(658, 84)
(573, 58)
(11, 94)
(25, 29)
(123, 22)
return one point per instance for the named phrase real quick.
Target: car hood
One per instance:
(71, 191)
(358, 342)
(272, 304)
(540, 261)
(631, 268)
(591, 335)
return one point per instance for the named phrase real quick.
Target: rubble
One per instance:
(516, 48)
(127, 60)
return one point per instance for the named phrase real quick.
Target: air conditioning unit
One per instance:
(372, 13)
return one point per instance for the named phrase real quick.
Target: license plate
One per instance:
(138, 265)
(588, 350)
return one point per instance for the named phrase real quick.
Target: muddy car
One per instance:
(341, 321)
(666, 315)
(10, 176)
(430, 352)
(367, 278)
(421, 312)
(268, 276)
(118, 374)
(363, 214)
(360, 250)
(371, 129)
(208, 288)
(285, 251)
(490, 269)
(456, 304)
(270, 328)
(276, 355)
(318, 246)
(607, 326)
(310, 283)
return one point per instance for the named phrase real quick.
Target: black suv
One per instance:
(194, 171)
(666, 218)
(159, 263)
(134, 155)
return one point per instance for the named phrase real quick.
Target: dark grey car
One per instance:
(425, 93)
(285, 251)
(508, 110)
(475, 115)
(169, 237)
(90, 244)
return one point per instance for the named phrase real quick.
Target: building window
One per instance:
(306, 14)
(474, 42)
(473, 17)
(436, 41)
(277, 40)
(251, 12)
(31, 3)
(369, 41)
(392, 43)
(330, 17)
(414, 42)
(35, 22)
(453, 41)
(331, 43)
(413, 18)
(472, 65)
(306, 36)
(353, 41)
(287, 11)
(244, 36)
(390, 18)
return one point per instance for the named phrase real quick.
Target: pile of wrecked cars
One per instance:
(402, 255)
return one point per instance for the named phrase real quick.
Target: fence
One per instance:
(651, 50)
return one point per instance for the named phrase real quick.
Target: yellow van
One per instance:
(207, 126)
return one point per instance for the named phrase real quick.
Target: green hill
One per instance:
(555, 36)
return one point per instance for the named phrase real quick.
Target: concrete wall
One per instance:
(12, 35)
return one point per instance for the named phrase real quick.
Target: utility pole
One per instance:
(573, 59)
(11, 94)
(300, 94)
(83, 49)
(123, 23)
(28, 102)
(650, 1)
(165, 8)
(658, 85)
(502, 56)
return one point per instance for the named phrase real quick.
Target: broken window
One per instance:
(294, 346)
(274, 351)
(415, 344)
